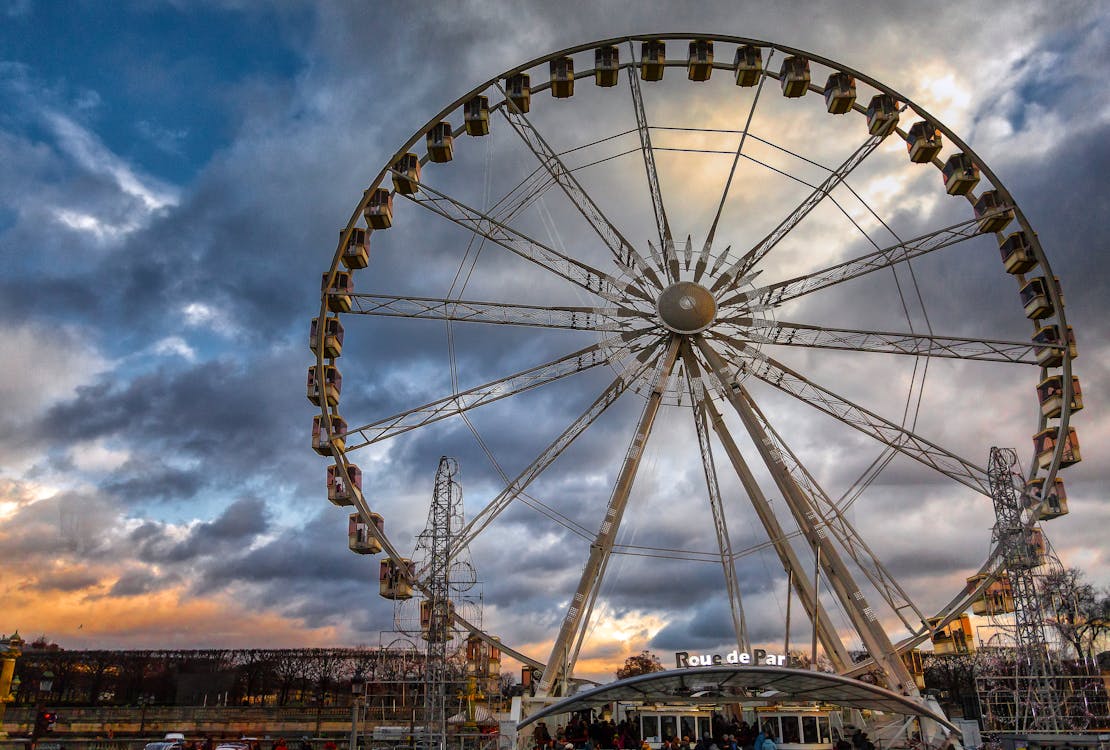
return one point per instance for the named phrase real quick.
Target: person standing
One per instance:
(769, 738)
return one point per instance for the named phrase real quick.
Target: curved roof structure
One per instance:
(751, 685)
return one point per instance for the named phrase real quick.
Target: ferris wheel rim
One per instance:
(1042, 260)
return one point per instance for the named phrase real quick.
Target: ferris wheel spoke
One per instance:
(624, 254)
(669, 263)
(829, 561)
(561, 659)
(579, 273)
(624, 380)
(727, 280)
(831, 517)
(915, 344)
(696, 388)
(804, 587)
(600, 353)
(905, 441)
(775, 294)
(502, 313)
(703, 258)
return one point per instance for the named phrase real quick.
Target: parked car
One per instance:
(165, 745)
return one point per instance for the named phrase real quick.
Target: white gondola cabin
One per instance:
(430, 630)
(699, 63)
(562, 77)
(441, 143)
(794, 76)
(339, 291)
(653, 58)
(1017, 253)
(518, 88)
(993, 212)
(1048, 346)
(1050, 392)
(960, 174)
(1044, 447)
(956, 637)
(607, 66)
(1034, 299)
(392, 583)
(356, 253)
(322, 442)
(923, 142)
(996, 599)
(333, 337)
(1054, 505)
(749, 65)
(882, 114)
(406, 174)
(379, 209)
(359, 538)
(339, 493)
(333, 384)
(476, 115)
(840, 93)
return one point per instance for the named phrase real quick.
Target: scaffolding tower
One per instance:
(435, 615)
(1035, 699)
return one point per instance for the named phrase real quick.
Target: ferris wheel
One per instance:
(746, 262)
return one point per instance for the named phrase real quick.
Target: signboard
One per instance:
(685, 659)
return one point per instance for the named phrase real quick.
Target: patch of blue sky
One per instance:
(157, 82)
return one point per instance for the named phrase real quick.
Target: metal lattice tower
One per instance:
(436, 608)
(1035, 699)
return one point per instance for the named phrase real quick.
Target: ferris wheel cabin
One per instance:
(960, 174)
(1054, 505)
(699, 63)
(749, 65)
(518, 88)
(476, 116)
(562, 77)
(653, 58)
(333, 336)
(339, 291)
(794, 76)
(437, 632)
(322, 442)
(339, 494)
(840, 93)
(406, 174)
(923, 142)
(607, 62)
(993, 211)
(333, 384)
(882, 114)
(1044, 446)
(1048, 346)
(379, 210)
(392, 583)
(1017, 253)
(997, 598)
(440, 142)
(356, 253)
(956, 637)
(1050, 392)
(359, 539)
(1034, 299)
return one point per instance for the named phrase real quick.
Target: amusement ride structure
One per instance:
(784, 193)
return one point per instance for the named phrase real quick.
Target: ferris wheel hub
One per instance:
(686, 307)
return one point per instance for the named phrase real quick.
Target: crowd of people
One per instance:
(603, 734)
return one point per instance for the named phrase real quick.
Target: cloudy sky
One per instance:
(173, 178)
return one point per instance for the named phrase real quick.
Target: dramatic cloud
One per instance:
(168, 206)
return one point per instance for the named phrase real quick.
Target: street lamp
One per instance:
(46, 682)
(358, 688)
(144, 701)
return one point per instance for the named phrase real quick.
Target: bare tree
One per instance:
(1077, 611)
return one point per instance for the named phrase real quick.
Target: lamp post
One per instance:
(358, 688)
(144, 701)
